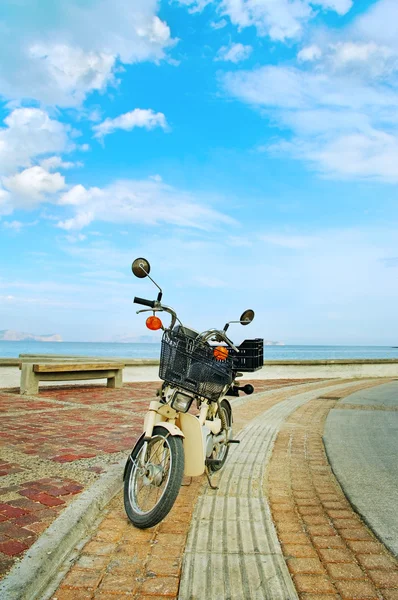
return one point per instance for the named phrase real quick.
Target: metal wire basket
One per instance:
(191, 365)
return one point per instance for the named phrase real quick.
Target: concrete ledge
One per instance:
(132, 362)
(147, 369)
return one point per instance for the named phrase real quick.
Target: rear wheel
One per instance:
(221, 449)
(153, 478)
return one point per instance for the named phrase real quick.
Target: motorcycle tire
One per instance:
(222, 453)
(157, 481)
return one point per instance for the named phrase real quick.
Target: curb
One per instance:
(30, 578)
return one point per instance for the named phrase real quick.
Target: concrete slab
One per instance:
(383, 395)
(362, 449)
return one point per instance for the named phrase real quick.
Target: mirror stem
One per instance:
(154, 282)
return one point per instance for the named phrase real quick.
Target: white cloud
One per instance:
(17, 226)
(5, 202)
(32, 186)
(309, 53)
(60, 53)
(292, 242)
(337, 106)
(279, 19)
(148, 202)
(72, 72)
(30, 133)
(138, 117)
(219, 24)
(234, 53)
(56, 162)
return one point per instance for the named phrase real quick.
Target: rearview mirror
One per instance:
(141, 267)
(247, 317)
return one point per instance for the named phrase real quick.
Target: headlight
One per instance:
(181, 402)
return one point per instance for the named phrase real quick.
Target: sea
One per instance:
(114, 350)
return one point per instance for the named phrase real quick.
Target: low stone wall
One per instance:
(147, 369)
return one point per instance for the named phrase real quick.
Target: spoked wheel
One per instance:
(152, 482)
(221, 450)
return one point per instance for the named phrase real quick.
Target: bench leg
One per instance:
(116, 381)
(29, 380)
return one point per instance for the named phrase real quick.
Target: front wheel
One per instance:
(153, 480)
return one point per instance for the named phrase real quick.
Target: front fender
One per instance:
(171, 428)
(230, 407)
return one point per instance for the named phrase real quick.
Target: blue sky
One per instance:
(248, 148)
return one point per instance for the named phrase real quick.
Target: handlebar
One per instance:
(150, 303)
(219, 335)
(206, 335)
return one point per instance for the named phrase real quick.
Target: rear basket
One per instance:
(250, 357)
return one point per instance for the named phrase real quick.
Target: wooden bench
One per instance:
(34, 371)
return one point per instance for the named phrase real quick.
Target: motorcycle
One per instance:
(176, 443)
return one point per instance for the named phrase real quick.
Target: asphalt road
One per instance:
(362, 446)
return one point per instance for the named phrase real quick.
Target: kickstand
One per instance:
(213, 487)
(187, 484)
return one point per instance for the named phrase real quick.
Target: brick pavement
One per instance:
(53, 446)
(120, 561)
(330, 552)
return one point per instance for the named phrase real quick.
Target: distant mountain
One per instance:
(268, 343)
(140, 339)
(9, 335)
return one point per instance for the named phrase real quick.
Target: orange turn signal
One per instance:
(221, 353)
(154, 323)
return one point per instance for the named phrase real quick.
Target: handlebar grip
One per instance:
(150, 303)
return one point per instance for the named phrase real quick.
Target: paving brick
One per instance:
(330, 541)
(118, 582)
(157, 597)
(11, 512)
(357, 535)
(321, 530)
(92, 561)
(335, 555)
(13, 547)
(316, 520)
(13, 531)
(311, 510)
(356, 590)
(162, 586)
(343, 524)
(299, 551)
(314, 584)
(164, 567)
(70, 594)
(82, 578)
(345, 571)
(103, 595)
(319, 597)
(107, 535)
(310, 566)
(340, 514)
(293, 538)
(6, 563)
(384, 579)
(289, 527)
(375, 561)
(99, 548)
(390, 594)
(364, 547)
